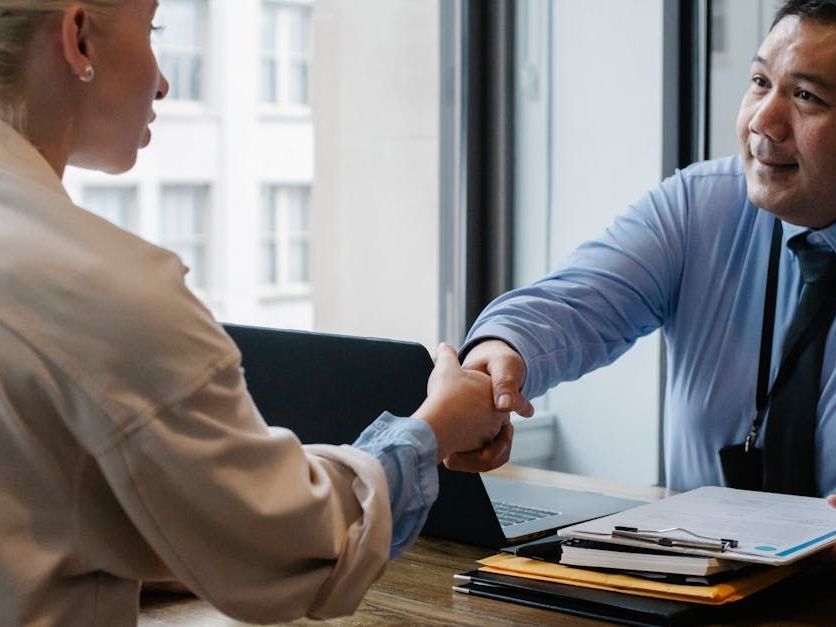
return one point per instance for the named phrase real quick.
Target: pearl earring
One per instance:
(87, 74)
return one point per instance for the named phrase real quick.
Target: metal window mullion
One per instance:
(490, 149)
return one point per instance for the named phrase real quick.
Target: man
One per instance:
(692, 258)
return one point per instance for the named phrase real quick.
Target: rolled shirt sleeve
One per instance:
(407, 450)
(611, 291)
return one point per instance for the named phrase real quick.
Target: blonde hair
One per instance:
(19, 19)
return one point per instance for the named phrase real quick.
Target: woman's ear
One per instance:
(75, 35)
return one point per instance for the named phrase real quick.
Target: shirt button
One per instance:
(815, 238)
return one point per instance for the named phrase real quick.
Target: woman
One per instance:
(130, 452)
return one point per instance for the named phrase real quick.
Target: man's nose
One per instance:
(771, 117)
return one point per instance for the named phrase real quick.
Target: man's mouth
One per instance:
(779, 164)
(773, 161)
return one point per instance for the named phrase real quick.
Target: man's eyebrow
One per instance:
(813, 79)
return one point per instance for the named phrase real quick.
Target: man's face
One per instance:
(787, 123)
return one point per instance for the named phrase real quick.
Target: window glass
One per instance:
(114, 203)
(738, 26)
(285, 237)
(298, 53)
(269, 53)
(303, 192)
(180, 46)
(588, 143)
(184, 220)
(286, 50)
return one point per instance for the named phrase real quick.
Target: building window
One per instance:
(286, 54)
(180, 47)
(184, 228)
(285, 233)
(114, 203)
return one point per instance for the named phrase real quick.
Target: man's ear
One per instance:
(75, 35)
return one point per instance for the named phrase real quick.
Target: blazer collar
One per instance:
(22, 160)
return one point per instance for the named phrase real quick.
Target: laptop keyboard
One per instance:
(510, 514)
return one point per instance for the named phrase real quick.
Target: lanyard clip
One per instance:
(750, 439)
(753, 433)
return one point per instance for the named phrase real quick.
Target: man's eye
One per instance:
(759, 81)
(807, 96)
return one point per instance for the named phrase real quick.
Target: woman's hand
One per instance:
(460, 409)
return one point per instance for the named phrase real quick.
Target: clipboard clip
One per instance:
(662, 537)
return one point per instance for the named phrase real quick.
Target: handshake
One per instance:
(468, 406)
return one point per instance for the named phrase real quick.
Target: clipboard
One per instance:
(743, 525)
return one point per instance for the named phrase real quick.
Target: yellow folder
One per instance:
(718, 594)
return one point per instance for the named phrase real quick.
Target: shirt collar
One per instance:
(21, 159)
(817, 238)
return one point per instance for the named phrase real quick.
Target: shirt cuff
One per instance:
(407, 450)
(478, 339)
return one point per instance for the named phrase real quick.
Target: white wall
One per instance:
(375, 201)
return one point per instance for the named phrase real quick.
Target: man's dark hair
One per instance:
(821, 10)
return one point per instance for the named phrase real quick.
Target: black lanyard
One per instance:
(770, 298)
(795, 343)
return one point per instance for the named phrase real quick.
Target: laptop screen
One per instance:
(328, 388)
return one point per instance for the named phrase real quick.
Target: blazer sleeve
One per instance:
(249, 519)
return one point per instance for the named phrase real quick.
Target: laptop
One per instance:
(328, 388)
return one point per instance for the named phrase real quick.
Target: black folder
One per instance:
(615, 607)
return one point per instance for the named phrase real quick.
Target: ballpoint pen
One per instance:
(661, 537)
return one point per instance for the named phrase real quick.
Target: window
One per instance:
(114, 203)
(180, 46)
(286, 43)
(285, 232)
(184, 228)
(361, 222)
(744, 23)
(580, 162)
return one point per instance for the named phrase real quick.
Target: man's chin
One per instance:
(788, 210)
(772, 201)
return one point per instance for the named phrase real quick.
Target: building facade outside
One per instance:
(226, 182)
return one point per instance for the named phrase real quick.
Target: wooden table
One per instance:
(416, 587)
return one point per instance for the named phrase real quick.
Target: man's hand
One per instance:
(507, 372)
(832, 500)
(460, 410)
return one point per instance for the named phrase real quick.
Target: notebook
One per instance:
(592, 554)
(328, 388)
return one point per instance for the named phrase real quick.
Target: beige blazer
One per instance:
(130, 449)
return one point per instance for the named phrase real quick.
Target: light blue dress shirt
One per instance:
(690, 258)
(407, 450)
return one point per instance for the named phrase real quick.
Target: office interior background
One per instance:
(385, 167)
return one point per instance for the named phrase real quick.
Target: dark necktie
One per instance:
(788, 462)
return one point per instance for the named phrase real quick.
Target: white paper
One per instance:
(769, 528)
